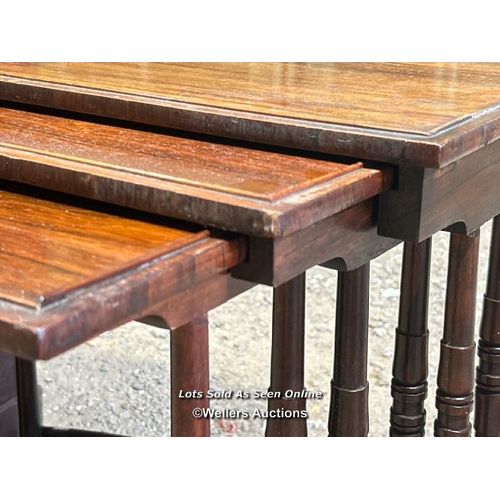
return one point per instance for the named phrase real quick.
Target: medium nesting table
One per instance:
(276, 200)
(435, 125)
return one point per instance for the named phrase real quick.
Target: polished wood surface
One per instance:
(349, 414)
(344, 241)
(51, 248)
(189, 366)
(463, 197)
(487, 404)
(121, 268)
(267, 193)
(428, 114)
(287, 359)
(455, 382)
(410, 368)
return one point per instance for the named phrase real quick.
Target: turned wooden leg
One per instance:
(410, 368)
(9, 425)
(454, 396)
(349, 399)
(30, 413)
(189, 365)
(487, 412)
(287, 359)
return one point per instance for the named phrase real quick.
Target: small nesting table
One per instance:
(71, 270)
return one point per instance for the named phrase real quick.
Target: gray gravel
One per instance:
(119, 382)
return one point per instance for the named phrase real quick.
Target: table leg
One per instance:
(349, 400)
(454, 396)
(30, 412)
(287, 358)
(410, 368)
(189, 365)
(487, 412)
(9, 425)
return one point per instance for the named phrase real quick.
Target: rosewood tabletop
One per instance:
(424, 114)
(229, 186)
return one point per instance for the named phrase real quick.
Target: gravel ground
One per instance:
(119, 382)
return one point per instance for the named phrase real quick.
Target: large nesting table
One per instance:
(436, 126)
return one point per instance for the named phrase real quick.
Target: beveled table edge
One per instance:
(435, 150)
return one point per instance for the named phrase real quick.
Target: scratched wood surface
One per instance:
(50, 248)
(229, 186)
(71, 269)
(426, 114)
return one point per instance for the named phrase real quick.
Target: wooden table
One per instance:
(442, 117)
(72, 269)
(326, 201)
(438, 124)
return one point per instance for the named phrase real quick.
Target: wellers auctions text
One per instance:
(255, 394)
(244, 414)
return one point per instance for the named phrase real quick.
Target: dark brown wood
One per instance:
(349, 400)
(425, 114)
(410, 368)
(344, 241)
(156, 283)
(454, 395)
(231, 186)
(190, 303)
(287, 414)
(487, 404)
(9, 424)
(30, 410)
(461, 197)
(189, 383)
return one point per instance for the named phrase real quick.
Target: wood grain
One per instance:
(462, 197)
(115, 274)
(230, 186)
(50, 248)
(344, 241)
(426, 114)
